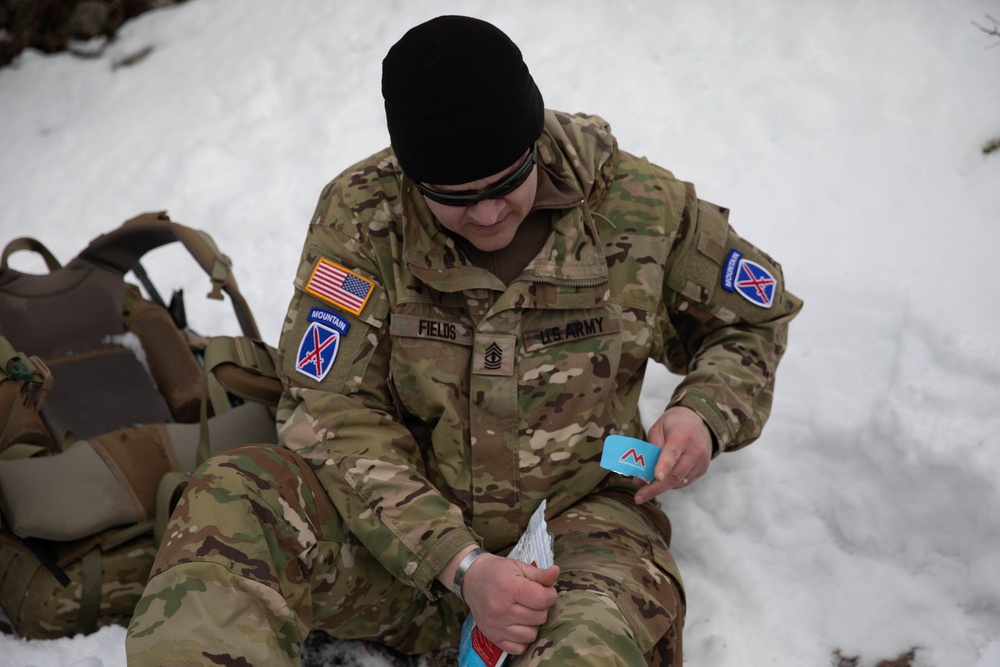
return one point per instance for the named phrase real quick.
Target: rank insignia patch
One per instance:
(320, 342)
(339, 286)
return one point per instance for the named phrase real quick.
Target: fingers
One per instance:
(532, 601)
(521, 637)
(685, 452)
(681, 473)
(688, 467)
(666, 471)
(673, 470)
(512, 611)
(528, 617)
(541, 596)
(546, 577)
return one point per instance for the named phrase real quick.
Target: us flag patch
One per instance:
(339, 286)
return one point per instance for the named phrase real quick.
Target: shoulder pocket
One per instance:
(723, 272)
(334, 324)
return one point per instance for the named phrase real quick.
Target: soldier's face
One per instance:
(489, 224)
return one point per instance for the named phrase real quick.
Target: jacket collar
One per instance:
(570, 258)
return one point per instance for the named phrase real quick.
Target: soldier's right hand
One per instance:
(509, 600)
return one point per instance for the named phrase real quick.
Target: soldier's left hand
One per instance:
(685, 451)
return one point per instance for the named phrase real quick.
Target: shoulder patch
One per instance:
(319, 344)
(729, 268)
(748, 279)
(339, 286)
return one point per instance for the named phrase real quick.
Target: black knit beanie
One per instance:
(460, 103)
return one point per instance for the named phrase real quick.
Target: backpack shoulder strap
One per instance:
(122, 248)
(34, 245)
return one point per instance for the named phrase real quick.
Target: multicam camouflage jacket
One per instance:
(439, 406)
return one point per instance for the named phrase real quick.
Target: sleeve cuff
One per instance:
(438, 555)
(722, 438)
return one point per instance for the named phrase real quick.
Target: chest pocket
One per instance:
(569, 366)
(431, 353)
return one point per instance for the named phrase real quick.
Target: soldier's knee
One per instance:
(252, 473)
(246, 504)
(257, 464)
(598, 621)
(584, 630)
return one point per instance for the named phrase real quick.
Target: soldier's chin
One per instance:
(493, 237)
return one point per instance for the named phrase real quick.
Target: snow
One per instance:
(846, 138)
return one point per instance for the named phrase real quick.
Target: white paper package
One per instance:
(534, 547)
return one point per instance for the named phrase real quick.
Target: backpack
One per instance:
(108, 400)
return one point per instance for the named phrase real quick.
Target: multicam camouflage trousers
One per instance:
(255, 556)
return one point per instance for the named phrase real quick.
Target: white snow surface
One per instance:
(847, 139)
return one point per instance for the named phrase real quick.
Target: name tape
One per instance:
(630, 456)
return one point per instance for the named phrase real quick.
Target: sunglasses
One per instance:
(499, 189)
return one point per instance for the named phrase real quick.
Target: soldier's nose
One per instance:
(487, 212)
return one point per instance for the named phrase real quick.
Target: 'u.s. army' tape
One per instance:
(630, 456)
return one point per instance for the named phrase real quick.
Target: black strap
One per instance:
(46, 556)
(151, 290)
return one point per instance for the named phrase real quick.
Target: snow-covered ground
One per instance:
(845, 136)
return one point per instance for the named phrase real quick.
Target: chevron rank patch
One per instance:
(320, 343)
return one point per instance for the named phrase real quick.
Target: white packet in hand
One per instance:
(535, 548)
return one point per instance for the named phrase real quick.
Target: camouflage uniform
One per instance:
(452, 404)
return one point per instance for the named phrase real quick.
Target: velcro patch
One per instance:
(573, 330)
(413, 326)
(748, 279)
(339, 286)
(729, 269)
(319, 344)
(494, 354)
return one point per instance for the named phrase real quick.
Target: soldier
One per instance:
(474, 312)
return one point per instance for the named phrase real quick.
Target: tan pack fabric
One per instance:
(113, 402)
(111, 480)
(24, 383)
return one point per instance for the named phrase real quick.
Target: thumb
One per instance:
(546, 577)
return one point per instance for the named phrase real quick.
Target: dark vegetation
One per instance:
(82, 27)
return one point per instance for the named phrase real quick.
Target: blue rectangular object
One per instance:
(630, 456)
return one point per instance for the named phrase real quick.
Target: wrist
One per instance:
(462, 569)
